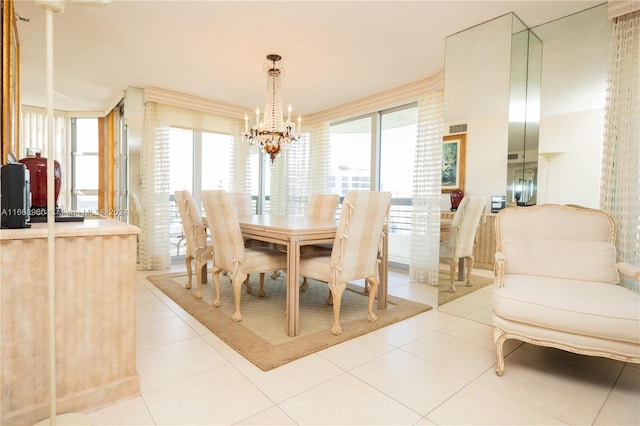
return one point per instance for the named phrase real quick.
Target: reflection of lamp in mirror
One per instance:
(548, 156)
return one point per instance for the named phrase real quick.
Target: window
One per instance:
(198, 161)
(397, 153)
(385, 141)
(350, 155)
(84, 139)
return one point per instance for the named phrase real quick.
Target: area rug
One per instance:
(444, 283)
(261, 335)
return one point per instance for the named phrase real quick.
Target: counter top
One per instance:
(86, 228)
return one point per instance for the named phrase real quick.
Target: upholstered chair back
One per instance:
(194, 230)
(222, 219)
(558, 241)
(554, 221)
(242, 202)
(462, 235)
(322, 206)
(359, 234)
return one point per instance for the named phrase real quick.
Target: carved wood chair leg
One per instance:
(453, 263)
(337, 291)
(498, 340)
(373, 283)
(469, 267)
(216, 282)
(237, 283)
(187, 262)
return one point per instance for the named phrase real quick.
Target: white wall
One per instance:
(574, 168)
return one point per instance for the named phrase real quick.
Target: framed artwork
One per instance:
(453, 162)
(10, 83)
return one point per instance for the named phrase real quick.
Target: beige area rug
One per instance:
(261, 335)
(444, 296)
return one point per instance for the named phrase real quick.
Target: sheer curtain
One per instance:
(620, 185)
(154, 190)
(34, 133)
(241, 160)
(290, 178)
(427, 182)
(319, 159)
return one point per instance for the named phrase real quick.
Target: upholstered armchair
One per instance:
(355, 252)
(557, 284)
(198, 247)
(462, 237)
(230, 253)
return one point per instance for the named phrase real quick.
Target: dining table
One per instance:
(293, 232)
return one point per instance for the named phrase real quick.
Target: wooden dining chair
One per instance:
(230, 253)
(323, 206)
(355, 252)
(462, 238)
(244, 207)
(198, 247)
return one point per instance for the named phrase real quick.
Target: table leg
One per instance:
(383, 270)
(293, 288)
(461, 269)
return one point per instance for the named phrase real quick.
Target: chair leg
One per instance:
(337, 291)
(499, 337)
(373, 290)
(247, 285)
(187, 262)
(469, 267)
(237, 282)
(452, 274)
(201, 276)
(216, 283)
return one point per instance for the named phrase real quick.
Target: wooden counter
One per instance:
(95, 318)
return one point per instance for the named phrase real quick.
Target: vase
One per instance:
(456, 196)
(37, 166)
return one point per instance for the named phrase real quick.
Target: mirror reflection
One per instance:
(559, 84)
(524, 116)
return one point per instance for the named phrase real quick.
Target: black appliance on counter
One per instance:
(15, 195)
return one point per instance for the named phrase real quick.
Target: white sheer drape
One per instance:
(34, 134)
(154, 189)
(620, 185)
(290, 178)
(277, 188)
(427, 182)
(319, 159)
(241, 161)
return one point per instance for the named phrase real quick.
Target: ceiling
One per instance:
(333, 52)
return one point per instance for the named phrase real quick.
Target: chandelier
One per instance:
(272, 133)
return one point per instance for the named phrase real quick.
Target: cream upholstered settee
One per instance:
(557, 284)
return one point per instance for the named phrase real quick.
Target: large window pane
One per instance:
(397, 150)
(87, 135)
(216, 161)
(85, 176)
(86, 172)
(350, 155)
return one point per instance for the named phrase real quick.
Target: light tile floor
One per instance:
(434, 368)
